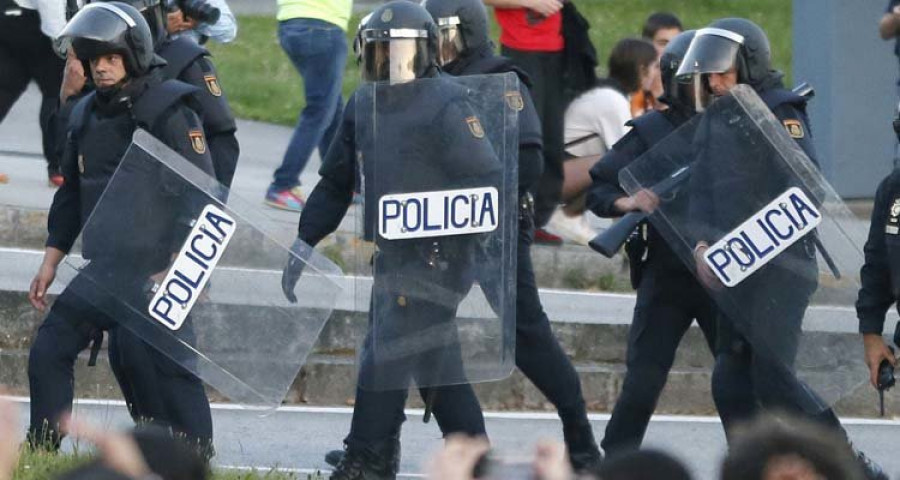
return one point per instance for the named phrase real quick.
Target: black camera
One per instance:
(199, 10)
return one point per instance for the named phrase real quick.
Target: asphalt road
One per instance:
(296, 438)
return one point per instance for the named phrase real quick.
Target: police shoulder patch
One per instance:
(794, 128)
(514, 100)
(475, 127)
(893, 223)
(212, 84)
(197, 141)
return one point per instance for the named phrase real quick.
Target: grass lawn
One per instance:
(43, 466)
(262, 84)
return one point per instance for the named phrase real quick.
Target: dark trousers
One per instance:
(26, 54)
(539, 355)
(67, 330)
(159, 391)
(755, 358)
(545, 72)
(668, 301)
(394, 355)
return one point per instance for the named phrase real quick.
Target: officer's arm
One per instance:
(796, 123)
(329, 201)
(875, 297)
(605, 190)
(64, 221)
(531, 146)
(183, 132)
(218, 119)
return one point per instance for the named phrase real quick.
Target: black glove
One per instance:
(293, 269)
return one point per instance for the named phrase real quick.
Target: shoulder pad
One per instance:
(179, 53)
(776, 97)
(80, 112)
(500, 64)
(652, 127)
(159, 98)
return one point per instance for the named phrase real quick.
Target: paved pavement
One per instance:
(295, 438)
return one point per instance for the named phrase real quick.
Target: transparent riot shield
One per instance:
(438, 163)
(753, 217)
(196, 278)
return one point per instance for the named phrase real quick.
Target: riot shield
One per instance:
(438, 163)
(198, 279)
(755, 220)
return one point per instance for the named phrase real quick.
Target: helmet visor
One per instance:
(101, 22)
(450, 40)
(396, 55)
(713, 50)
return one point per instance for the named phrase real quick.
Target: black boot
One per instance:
(378, 462)
(584, 454)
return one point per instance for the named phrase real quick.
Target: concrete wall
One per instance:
(837, 50)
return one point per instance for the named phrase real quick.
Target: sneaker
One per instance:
(575, 229)
(543, 237)
(285, 199)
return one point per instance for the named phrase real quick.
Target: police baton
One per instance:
(608, 242)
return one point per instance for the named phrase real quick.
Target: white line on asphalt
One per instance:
(301, 471)
(892, 422)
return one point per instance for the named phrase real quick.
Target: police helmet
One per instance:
(111, 27)
(726, 43)
(462, 27)
(675, 93)
(397, 43)
(155, 15)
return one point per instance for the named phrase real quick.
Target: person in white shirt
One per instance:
(594, 122)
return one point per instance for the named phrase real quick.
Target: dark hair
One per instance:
(626, 60)
(659, 21)
(170, 458)
(643, 465)
(757, 444)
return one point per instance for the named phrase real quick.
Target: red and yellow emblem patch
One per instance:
(514, 100)
(198, 143)
(475, 127)
(212, 84)
(794, 128)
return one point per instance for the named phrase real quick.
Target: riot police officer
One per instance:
(729, 52)
(465, 49)
(115, 45)
(397, 44)
(191, 63)
(669, 299)
(880, 275)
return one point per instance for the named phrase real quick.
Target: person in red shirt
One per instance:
(531, 36)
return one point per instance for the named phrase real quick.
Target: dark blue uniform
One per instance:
(745, 379)
(538, 353)
(434, 149)
(100, 132)
(669, 298)
(880, 275)
(191, 63)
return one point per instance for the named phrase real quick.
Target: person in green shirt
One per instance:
(313, 35)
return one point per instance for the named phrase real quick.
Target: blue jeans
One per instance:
(318, 50)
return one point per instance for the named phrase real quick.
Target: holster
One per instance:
(636, 250)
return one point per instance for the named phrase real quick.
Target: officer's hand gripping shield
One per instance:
(778, 250)
(198, 279)
(438, 162)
